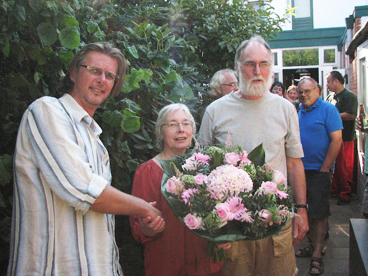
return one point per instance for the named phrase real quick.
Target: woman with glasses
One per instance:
(171, 249)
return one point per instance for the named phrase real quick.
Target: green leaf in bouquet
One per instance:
(170, 166)
(258, 155)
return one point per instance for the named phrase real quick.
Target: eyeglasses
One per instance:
(251, 65)
(306, 92)
(98, 72)
(184, 125)
(234, 84)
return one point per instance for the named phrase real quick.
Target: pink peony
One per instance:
(186, 195)
(193, 221)
(200, 179)
(232, 158)
(223, 211)
(279, 178)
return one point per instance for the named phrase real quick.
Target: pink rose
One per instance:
(232, 158)
(192, 221)
(171, 186)
(174, 186)
(265, 216)
(223, 211)
(279, 178)
(200, 178)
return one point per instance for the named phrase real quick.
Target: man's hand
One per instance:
(301, 226)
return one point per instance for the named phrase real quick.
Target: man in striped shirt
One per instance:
(64, 205)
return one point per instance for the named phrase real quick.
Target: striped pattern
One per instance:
(61, 167)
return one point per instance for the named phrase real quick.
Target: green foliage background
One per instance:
(173, 48)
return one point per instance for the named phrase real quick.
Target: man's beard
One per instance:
(247, 88)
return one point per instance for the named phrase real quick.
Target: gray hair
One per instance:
(165, 112)
(67, 84)
(246, 43)
(217, 80)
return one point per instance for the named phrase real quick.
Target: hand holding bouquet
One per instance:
(226, 195)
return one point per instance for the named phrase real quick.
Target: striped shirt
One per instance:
(61, 167)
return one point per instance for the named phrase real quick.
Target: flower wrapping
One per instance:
(225, 194)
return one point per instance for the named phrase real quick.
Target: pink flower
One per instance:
(232, 158)
(196, 159)
(186, 195)
(279, 178)
(227, 179)
(223, 211)
(246, 216)
(200, 179)
(192, 221)
(201, 158)
(244, 157)
(236, 207)
(174, 186)
(271, 188)
(265, 216)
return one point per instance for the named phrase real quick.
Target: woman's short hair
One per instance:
(67, 85)
(164, 113)
(277, 83)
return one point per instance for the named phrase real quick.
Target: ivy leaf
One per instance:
(47, 33)
(70, 37)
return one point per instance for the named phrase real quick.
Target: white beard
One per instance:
(247, 88)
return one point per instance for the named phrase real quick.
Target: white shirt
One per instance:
(61, 167)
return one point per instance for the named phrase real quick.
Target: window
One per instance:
(329, 56)
(303, 57)
(304, 15)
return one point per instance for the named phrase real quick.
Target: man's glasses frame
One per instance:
(98, 72)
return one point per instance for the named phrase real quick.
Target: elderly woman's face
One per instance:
(177, 131)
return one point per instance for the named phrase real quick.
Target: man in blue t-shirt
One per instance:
(321, 136)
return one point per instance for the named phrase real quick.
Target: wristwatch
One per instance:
(305, 206)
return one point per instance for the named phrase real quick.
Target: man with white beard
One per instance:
(251, 116)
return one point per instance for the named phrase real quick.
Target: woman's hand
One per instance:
(151, 227)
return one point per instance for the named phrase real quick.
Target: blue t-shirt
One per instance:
(316, 123)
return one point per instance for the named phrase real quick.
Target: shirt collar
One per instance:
(79, 113)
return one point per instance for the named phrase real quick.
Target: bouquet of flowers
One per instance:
(224, 194)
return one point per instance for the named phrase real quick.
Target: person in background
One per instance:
(222, 83)
(321, 135)
(252, 121)
(174, 250)
(292, 93)
(347, 104)
(63, 199)
(278, 88)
